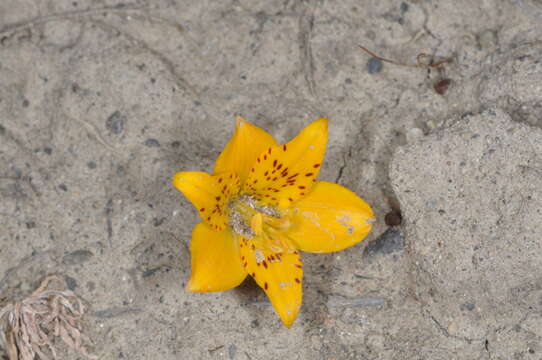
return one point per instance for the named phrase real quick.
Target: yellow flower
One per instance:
(261, 205)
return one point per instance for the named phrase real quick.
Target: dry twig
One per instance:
(29, 327)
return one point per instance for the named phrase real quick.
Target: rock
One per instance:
(77, 257)
(476, 250)
(515, 83)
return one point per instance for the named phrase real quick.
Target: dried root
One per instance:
(29, 327)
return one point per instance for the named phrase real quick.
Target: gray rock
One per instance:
(515, 83)
(480, 244)
(77, 257)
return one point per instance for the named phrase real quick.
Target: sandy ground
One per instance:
(102, 101)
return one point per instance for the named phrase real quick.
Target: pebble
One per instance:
(115, 123)
(414, 134)
(374, 65)
(77, 257)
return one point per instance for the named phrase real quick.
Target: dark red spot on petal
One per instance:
(309, 174)
(278, 167)
(302, 194)
(297, 280)
(290, 199)
(264, 264)
(316, 166)
(265, 173)
(274, 162)
(301, 187)
(219, 180)
(284, 147)
(258, 159)
(217, 198)
(265, 286)
(269, 151)
(253, 275)
(265, 156)
(202, 209)
(298, 266)
(275, 178)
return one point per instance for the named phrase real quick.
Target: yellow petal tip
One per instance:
(239, 120)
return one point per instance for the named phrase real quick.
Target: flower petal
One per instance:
(209, 194)
(216, 263)
(330, 218)
(241, 151)
(278, 274)
(285, 173)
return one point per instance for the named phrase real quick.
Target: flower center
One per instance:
(262, 224)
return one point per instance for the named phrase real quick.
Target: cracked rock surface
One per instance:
(473, 234)
(102, 101)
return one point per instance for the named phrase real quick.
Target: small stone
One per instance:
(232, 349)
(393, 218)
(71, 282)
(442, 86)
(26, 103)
(390, 241)
(30, 225)
(48, 150)
(404, 7)
(414, 134)
(91, 165)
(152, 143)
(2, 130)
(487, 40)
(63, 187)
(374, 65)
(115, 123)
(77, 257)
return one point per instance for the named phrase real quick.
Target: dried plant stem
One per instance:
(29, 327)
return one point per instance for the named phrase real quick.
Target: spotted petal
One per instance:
(210, 194)
(278, 274)
(285, 173)
(241, 151)
(216, 263)
(330, 218)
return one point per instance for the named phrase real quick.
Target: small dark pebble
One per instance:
(121, 171)
(390, 241)
(2, 130)
(77, 257)
(30, 225)
(152, 143)
(91, 165)
(63, 187)
(48, 150)
(404, 7)
(158, 221)
(176, 144)
(115, 123)
(374, 65)
(232, 349)
(26, 103)
(197, 103)
(393, 218)
(467, 306)
(442, 86)
(254, 324)
(71, 282)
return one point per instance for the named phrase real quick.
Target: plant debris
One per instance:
(28, 328)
